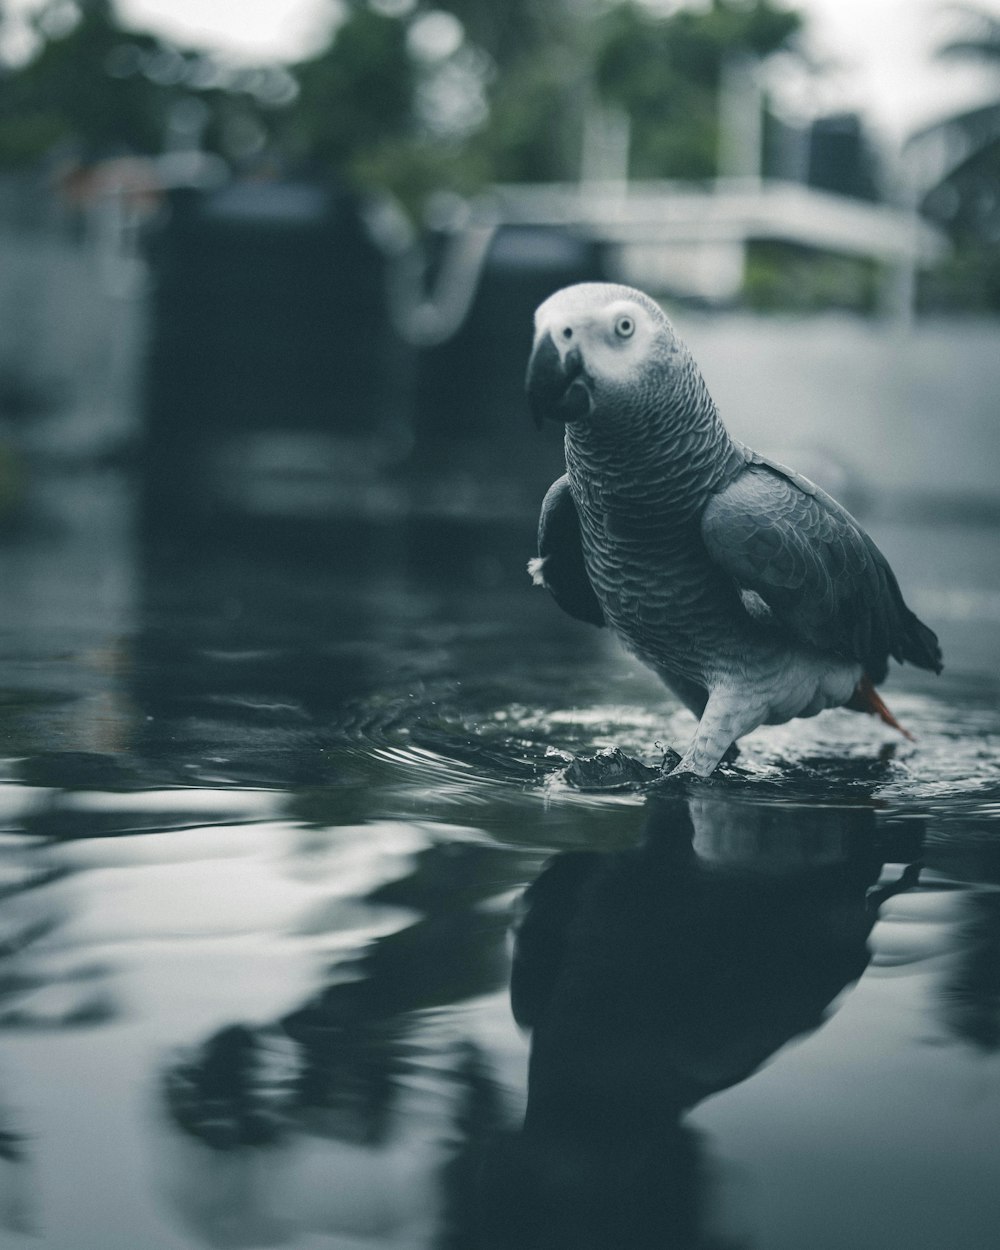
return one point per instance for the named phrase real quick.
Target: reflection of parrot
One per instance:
(755, 596)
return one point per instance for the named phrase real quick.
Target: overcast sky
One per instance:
(876, 53)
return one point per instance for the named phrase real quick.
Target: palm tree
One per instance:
(956, 161)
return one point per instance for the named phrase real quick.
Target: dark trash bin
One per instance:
(471, 419)
(271, 365)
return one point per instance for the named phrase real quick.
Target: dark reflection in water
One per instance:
(32, 995)
(971, 995)
(649, 978)
(348, 1048)
(362, 1064)
(654, 977)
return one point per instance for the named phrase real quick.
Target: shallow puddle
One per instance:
(269, 816)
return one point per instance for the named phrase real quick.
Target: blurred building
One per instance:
(841, 159)
(690, 241)
(271, 351)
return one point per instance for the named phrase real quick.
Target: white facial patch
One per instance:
(612, 332)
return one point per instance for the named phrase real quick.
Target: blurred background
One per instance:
(280, 259)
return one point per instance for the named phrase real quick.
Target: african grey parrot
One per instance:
(751, 593)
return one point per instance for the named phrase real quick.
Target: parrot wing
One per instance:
(559, 565)
(814, 567)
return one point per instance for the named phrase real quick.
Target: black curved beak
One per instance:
(557, 386)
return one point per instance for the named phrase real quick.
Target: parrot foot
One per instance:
(671, 759)
(677, 781)
(727, 717)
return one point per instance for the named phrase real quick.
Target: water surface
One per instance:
(269, 812)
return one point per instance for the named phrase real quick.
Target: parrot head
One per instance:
(598, 348)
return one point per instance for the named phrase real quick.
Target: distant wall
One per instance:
(71, 323)
(904, 411)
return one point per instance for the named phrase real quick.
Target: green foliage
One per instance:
(413, 168)
(533, 133)
(360, 108)
(101, 90)
(666, 72)
(784, 277)
(966, 281)
(357, 107)
(357, 95)
(66, 93)
(966, 200)
(515, 30)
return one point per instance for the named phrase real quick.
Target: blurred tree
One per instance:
(520, 77)
(407, 96)
(512, 30)
(100, 89)
(538, 73)
(666, 73)
(961, 156)
(65, 92)
(357, 94)
(416, 97)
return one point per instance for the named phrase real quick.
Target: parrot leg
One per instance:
(727, 716)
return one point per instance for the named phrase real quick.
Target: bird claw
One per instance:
(674, 775)
(676, 784)
(671, 761)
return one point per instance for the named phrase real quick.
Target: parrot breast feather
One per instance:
(815, 568)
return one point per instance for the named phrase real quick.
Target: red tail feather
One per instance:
(866, 699)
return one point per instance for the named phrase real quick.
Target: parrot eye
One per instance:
(625, 327)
